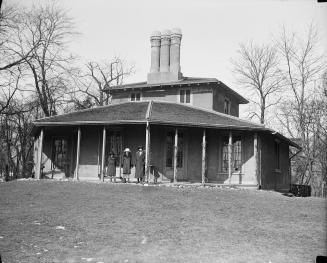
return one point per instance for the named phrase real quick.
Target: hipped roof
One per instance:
(185, 81)
(155, 112)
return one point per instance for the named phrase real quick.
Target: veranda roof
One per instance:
(154, 112)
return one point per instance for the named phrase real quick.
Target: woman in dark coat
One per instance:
(111, 170)
(139, 164)
(127, 163)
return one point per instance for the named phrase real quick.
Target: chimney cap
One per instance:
(155, 34)
(176, 31)
(165, 32)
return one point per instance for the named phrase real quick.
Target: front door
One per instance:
(181, 155)
(115, 146)
(60, 158)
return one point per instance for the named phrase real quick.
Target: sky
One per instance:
(212, 30)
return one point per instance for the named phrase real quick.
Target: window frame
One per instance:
(224, 152)
(55, 163)
(277, 154)
(169, 154)
(185, 96)
(229, 105)
(135, 95)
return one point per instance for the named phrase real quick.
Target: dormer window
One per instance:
(226, 106)
(185, 96)
(135, 96)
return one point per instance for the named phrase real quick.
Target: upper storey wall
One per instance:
(219, 97)
(198, 97)
(202, 96)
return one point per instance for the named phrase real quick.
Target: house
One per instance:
(190, 128)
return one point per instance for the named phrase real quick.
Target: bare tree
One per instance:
(300, 114)
(13, 53)
(13, 48)
(97, 77)
(17, 144)
(301, 68)
(8, 88)
(256, 68)
(34, 77)
(49, 28)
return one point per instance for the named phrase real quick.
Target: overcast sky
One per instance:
(211, 29)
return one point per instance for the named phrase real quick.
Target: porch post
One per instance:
(175, 155)
(230, 152)
(78, 153)
(39, 156)
(257, 159)
(147, 150)
(103, 153)
(203, 156)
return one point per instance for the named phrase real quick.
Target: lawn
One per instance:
(52, 221)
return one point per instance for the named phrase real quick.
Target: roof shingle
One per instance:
(156, 112)
(152, 111)
(165, 112)
(129, 111)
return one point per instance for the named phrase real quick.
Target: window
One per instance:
(170, 140)
(169, 149)
(135, 96)
(227, 106)
(277, 164)
(236, 155)
(185, 96)
(115, 143)
(225, 155)
(59, 153)
(180, 151)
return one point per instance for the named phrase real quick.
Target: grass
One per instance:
(129, 223)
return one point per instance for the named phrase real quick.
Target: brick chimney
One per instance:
(165, 56)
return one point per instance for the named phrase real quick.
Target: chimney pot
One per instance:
(175, 47)
(155, 40)
(176, 31)
(165, 56)
(164, 50)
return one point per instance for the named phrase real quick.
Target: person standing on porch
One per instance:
(127, 163)
(139, 164)
(111, 169)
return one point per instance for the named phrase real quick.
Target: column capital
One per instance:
(176, 36)
(155, 42)
(155, 39)
(165, 37)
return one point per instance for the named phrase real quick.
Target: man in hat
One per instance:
(139, 164)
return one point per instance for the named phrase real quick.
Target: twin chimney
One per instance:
(165, 56)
